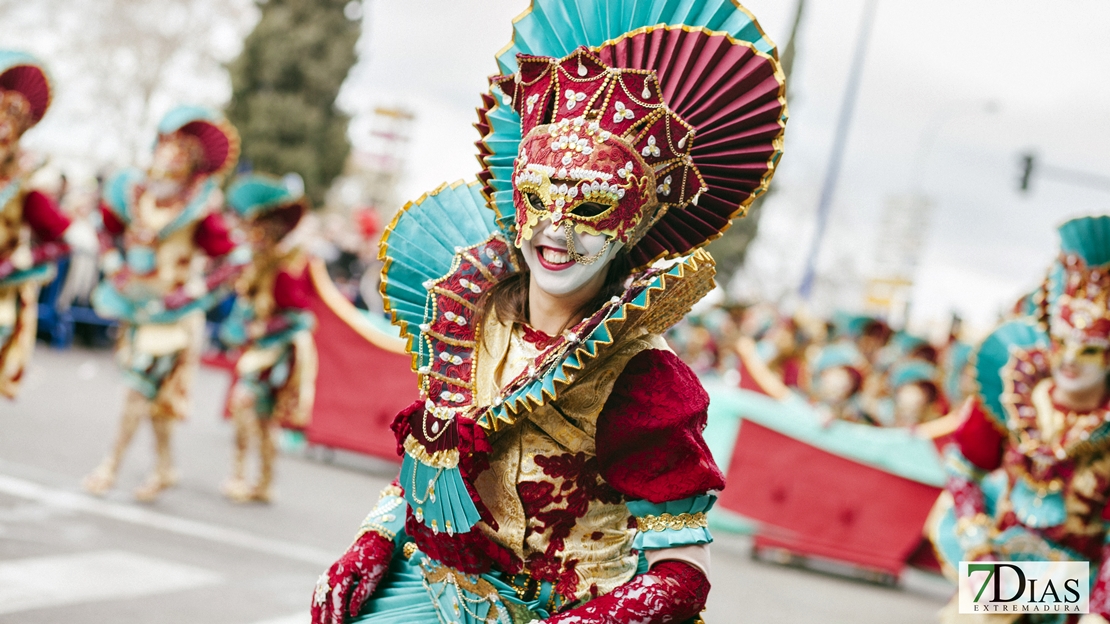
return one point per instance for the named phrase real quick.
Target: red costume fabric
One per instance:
(112, 224)
(212, 233)
(42, 214)
(649, 441)
(649, 446)
(353, 578)
(1100, 592)
(671, 591)
(979, 439)
(213, 236)
(292, 291)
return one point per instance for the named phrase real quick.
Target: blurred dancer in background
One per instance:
(1029, 469)
(276, 372)
(169, 259)
(31, 226)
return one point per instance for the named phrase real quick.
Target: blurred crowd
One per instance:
(851, 366)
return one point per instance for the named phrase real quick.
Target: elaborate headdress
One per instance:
(612, 104)
(23, 74)
(254, 195)
(840, 354)
(914, 371)
(1077, 300)
(218, 139)
(280, 200)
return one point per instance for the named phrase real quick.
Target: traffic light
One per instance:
(1027, 161)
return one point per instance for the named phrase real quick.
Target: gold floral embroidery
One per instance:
(664, 522)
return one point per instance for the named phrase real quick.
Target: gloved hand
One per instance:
(348, 583)
(672, 591)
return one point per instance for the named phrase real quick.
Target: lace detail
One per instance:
(671, 592)
(348, 583)
(1100, 593)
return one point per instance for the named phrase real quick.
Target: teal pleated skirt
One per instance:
(400, 598)
(409, 594)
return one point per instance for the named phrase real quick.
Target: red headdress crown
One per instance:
(1082, 310)
(1077, 292)
(698, 117)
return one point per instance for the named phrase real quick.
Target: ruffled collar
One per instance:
(1045, 430)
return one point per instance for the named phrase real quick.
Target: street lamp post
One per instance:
(844, 123)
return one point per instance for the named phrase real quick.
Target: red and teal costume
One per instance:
(565, 478)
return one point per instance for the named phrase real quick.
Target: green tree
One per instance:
(284, 86)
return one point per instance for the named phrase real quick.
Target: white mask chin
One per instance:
(1077, 377)
(1078, 367)
(835, 385)
(549, 261)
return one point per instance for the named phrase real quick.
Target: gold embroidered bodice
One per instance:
(178, 260)
(552, 508)
(256, 284)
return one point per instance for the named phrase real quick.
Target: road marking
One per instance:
(297, 618)
(182, 526)
(92, 576)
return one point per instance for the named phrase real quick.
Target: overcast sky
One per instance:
(931, 70)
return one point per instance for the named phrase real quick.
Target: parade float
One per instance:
(811, 490)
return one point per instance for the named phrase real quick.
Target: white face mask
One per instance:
(835, 385)
(550, 262)
(1078, 367)
(910, 402)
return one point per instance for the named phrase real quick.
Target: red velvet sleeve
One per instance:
(42, 214)
(213, 236)
(112, 223)
(292, 291)
(649, 442)
(979, 440)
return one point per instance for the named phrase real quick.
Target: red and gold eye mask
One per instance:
(576, 171)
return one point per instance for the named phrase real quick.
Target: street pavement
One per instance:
(194, 558)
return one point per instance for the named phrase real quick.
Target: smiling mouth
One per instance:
(554, 259)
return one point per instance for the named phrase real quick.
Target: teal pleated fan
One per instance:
(1088, 238)
(420, 245)
(993, 356)
(557, 27)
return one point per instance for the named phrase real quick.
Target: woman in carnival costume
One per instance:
(1029, 471)
(276, 372)
(555, 469)
(170, 258)
(31, 227)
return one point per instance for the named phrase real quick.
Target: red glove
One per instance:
(348, 583)
(1100, 593)
(672, 591)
